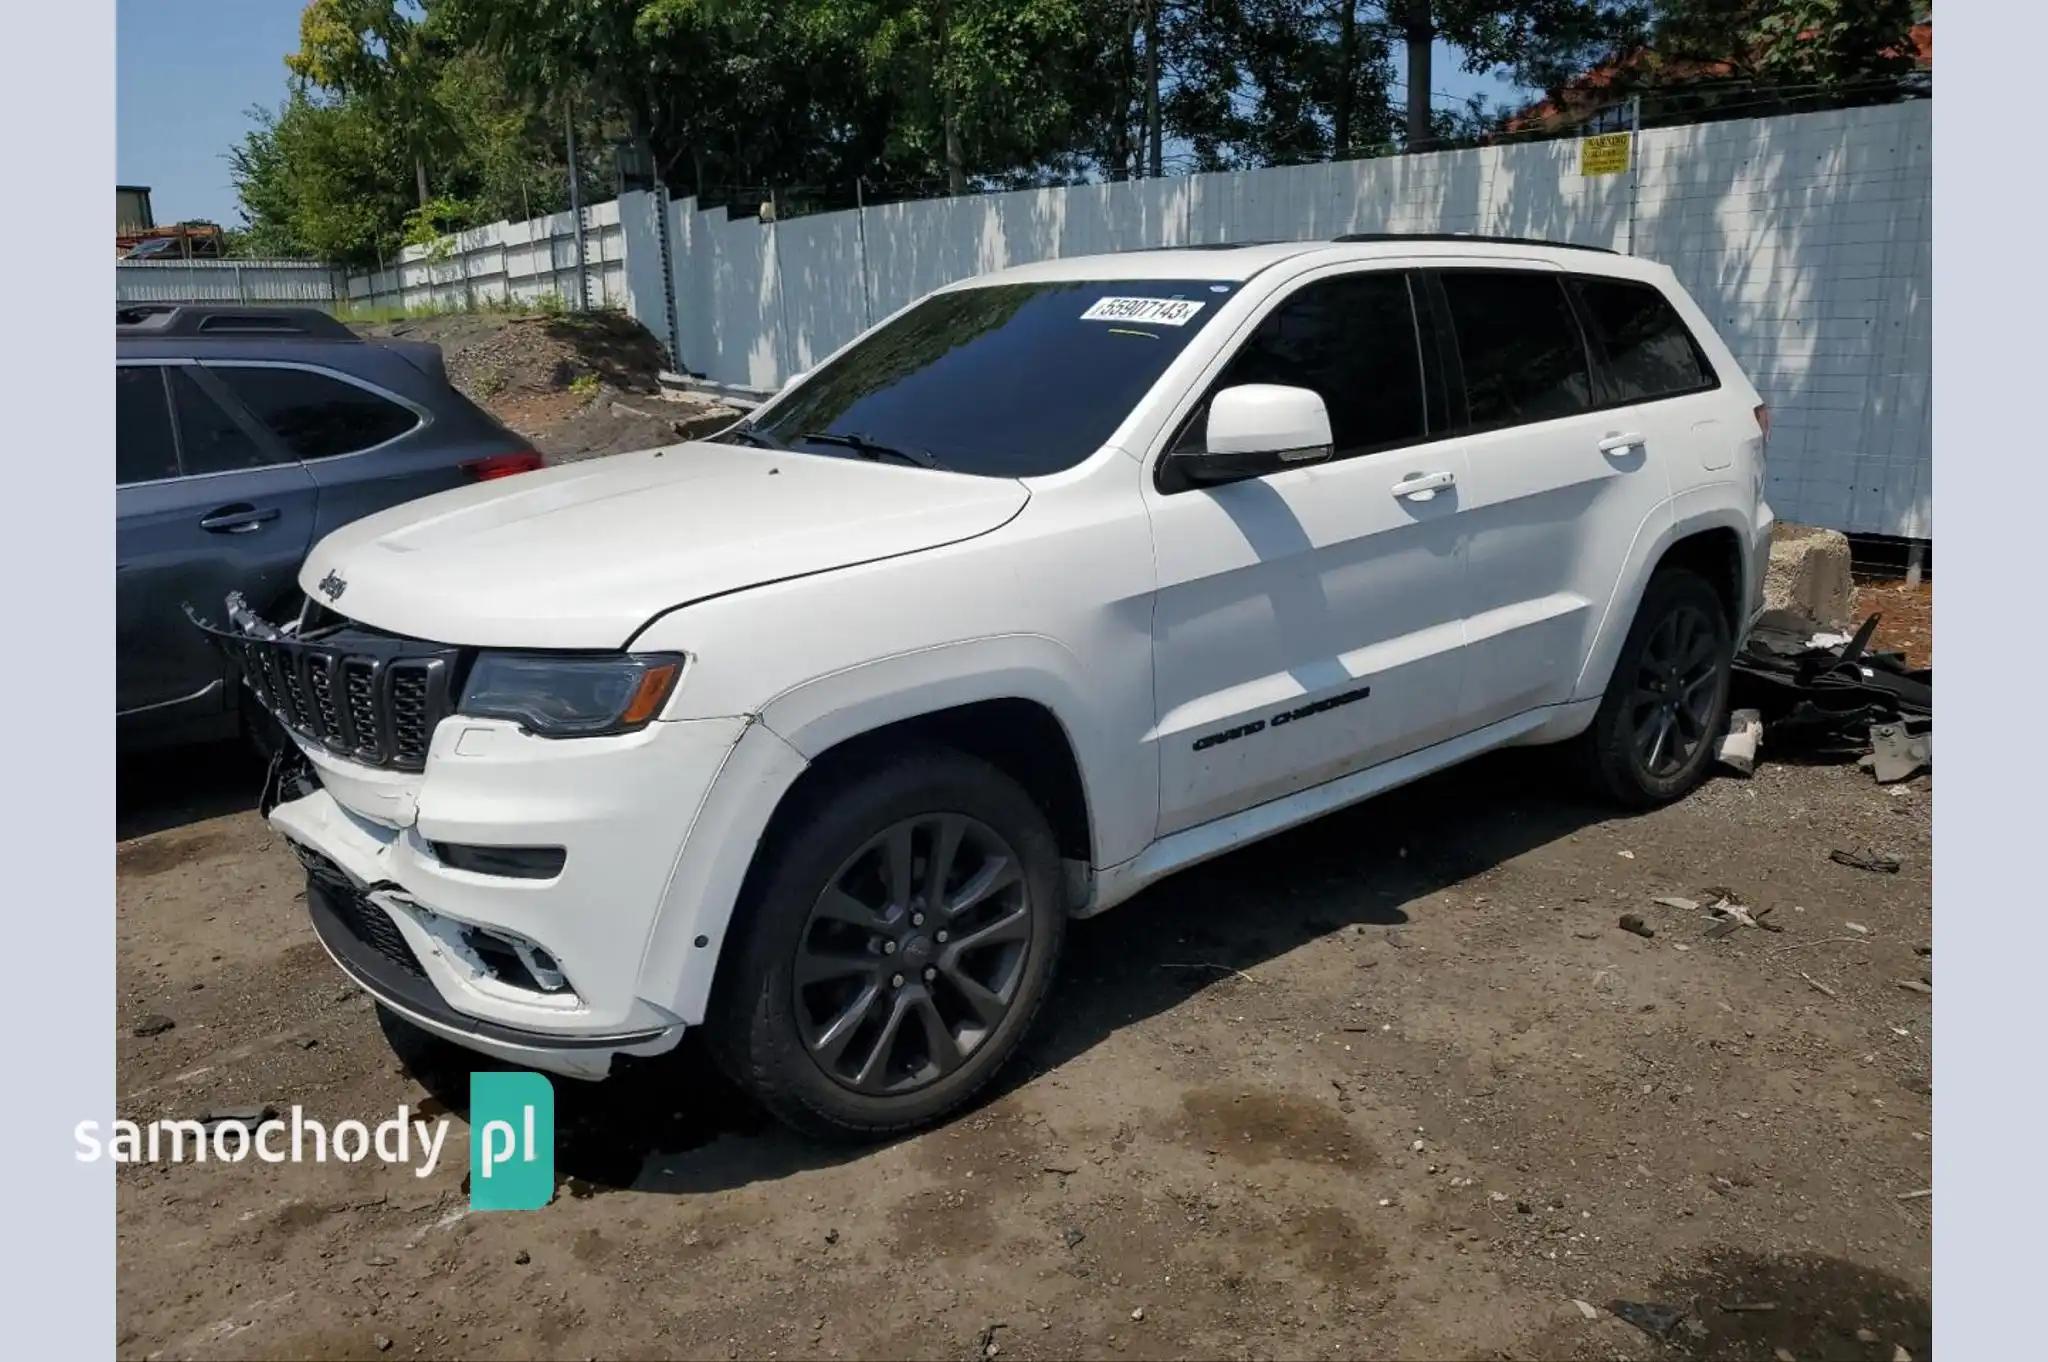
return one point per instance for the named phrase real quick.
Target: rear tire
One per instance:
(1656, 729)
(892, 946)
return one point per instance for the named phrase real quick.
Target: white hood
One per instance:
(582, 555)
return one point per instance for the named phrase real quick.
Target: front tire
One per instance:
(1654, 735)
(893, 946)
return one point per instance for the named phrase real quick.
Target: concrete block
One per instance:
(1809, 573)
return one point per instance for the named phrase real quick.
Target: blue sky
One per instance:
(185, 76)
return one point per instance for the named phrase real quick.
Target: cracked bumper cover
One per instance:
(395, 917)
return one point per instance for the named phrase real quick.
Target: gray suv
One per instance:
(242, 436)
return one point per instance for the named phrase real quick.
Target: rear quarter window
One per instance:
(1650, 354)
(316, 415)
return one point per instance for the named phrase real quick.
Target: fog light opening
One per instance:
(546, 973)
(516, 961)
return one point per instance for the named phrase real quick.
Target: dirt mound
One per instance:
(608, 425)
(577, 386)
(494, 357)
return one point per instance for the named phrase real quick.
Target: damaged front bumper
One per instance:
(504, 894)
(428, 966)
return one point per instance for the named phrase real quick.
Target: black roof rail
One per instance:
(1471, 236)
(187, 320)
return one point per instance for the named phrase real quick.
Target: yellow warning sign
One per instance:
(1606, 154)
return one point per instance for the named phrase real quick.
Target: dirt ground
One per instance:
(1905, 617)
(1394, 1084)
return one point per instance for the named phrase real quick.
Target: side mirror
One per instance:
(1255, 429)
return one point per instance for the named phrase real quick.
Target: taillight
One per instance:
(502, 465)
(1763, 419)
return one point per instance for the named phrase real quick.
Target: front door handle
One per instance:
(1423, 486)
(237, 519)
(1620, 444)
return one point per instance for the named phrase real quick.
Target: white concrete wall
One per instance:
(1806, 238)
(1809, 241)
(506, 261)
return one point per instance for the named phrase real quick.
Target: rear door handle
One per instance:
(1423, 486)
(1620, 444)
(238, 519)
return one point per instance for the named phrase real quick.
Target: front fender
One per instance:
(825, 711)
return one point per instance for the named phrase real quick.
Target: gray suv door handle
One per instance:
(238, 519)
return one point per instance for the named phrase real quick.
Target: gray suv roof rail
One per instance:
(1471, 236)
(188, 320)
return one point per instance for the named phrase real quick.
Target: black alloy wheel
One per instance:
(913, 954)
(1672, 707)
(893, 944)
(1653, 736)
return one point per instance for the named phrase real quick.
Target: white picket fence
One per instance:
(1807, 239)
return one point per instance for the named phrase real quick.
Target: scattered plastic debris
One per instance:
(1658, 1321)
(1740, 744)
(1866, 860)
(1831, 695)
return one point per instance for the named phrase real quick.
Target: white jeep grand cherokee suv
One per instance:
(1064, 578)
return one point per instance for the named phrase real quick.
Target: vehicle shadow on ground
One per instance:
(676, 1125)
(158, 791)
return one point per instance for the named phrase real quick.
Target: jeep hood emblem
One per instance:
(331, 586)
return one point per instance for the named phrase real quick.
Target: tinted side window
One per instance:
(1353, 341)
(144, 449)
(313, 414)
(1649, 352)
(1520, 346)
(209, 441)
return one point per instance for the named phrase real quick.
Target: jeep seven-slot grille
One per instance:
(409, 727)
(369, 697)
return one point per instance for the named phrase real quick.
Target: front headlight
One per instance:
(565, 695)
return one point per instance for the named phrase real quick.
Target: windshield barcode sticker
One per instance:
(1156, 311)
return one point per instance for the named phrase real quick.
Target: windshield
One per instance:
(1005, 380)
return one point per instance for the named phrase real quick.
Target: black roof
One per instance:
(186, 320)
(1471, 236)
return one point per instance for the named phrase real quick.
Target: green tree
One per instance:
(980, 83)
(1267, 82)
(1540, 42)
(321, 178)
(721, 93)
(1695, 59)
(510, 158)
(376, 53)
(1820, 42)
